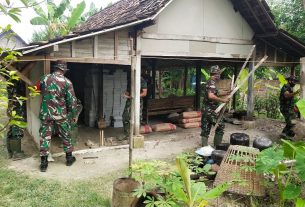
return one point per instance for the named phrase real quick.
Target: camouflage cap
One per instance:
(62, 65)
(215, 69)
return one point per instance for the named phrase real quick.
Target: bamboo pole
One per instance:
(242, 83)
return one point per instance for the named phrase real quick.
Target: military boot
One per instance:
(217, 139)
(44, 163)
(70, 159)
(204, 141)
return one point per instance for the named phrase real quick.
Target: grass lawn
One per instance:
(20, 190)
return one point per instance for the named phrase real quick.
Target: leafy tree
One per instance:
(55, 21)
(7, 77)
(290, 16)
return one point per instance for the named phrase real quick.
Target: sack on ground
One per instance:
(191, 114)
(190, 125)
(192, 120)
(146, 129)
(164, 127)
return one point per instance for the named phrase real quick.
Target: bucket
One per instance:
(122, 195)
(13, 146)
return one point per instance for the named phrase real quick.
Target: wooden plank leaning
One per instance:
(242, 82)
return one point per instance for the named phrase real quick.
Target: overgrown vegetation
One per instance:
(284, 164)
(172, 187)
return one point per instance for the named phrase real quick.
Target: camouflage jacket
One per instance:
(210, 86)
(58, 98)
(286, 103)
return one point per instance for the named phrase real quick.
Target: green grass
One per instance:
(17, 189)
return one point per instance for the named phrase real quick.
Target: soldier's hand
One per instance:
(74, 120)
(226, 100)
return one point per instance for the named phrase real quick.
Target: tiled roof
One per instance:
(120, 13)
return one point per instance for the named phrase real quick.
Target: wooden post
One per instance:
(250, 98)
(302, 78)
(235, 78)
(153, 92)
(137, 95)
(47, 65)
(185, 81)
(292, 70)
(198, 87)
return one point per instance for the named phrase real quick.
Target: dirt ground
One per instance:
(103, 161)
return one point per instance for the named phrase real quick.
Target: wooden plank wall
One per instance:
(110, 46)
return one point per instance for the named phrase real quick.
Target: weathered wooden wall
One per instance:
(198, 28)
(112, 48)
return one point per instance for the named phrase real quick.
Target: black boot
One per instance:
(44, 163)
(70, 159)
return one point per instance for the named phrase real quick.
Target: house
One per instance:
(157, 34)
(9, 39)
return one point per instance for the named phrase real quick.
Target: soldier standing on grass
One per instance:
(126, 114)
(57, 112)
(287, 105)
(211, 101)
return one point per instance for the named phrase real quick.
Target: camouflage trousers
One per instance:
(48, 128)
(126, 116)
(288, 115)
(209, 119)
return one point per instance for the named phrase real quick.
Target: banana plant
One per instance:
(55, 21)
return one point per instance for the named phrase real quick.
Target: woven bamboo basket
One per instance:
(231, 169)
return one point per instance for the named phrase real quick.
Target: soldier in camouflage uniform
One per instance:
(57, 112)
(287, 105)
(211, 101)
(126, 114)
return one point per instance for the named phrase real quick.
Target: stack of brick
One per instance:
(114, 85)
(191, 119)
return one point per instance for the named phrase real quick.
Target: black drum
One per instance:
(223, 146)
(240, 139)
(262, 143)
(217, 156)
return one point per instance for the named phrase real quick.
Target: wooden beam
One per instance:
(256, 18)
(153, 79)
(76, 60)
(198, 87)
(116, 44)
(47, 65)
(185, 81)
(137, 95)
(27, 68)
(21, 76)
(302, 77)
(197, 38)
(250, 98)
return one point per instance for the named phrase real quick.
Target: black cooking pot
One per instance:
(240, 139)
(218, 155)
(223, 146)
(262, 143)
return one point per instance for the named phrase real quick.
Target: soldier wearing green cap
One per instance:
(287, 105)
(211, 100)
(58, 110)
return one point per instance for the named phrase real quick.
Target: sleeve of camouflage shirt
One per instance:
(71, 100)
(211, 87)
